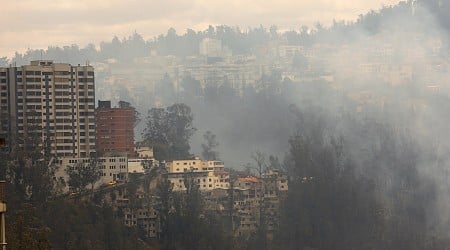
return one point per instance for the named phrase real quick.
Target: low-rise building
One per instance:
(208, 174)
(256, 201)
(146, 218)
(111, 168)
(275, 191)
(246, 205)
(141, 166)
(142, 161)
(144, 152)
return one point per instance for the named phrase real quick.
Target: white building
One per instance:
(140, 165)
(211, 47)
(144, 152)
(112, 168)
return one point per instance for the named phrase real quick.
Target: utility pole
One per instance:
(2, 214)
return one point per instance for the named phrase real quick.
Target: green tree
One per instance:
(328, 205)
(26, 231)
(86, 226)
(29, 172)
(165, 194)
(83, 174)
(184, 223)
(169, 130)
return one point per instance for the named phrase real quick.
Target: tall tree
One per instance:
(328, 205)
(169, 130)
(83, 174)
(28, 170)
(165, 89)
(27, 231)
(210, 152)
(191, 87)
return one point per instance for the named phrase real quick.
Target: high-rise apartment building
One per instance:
(56, 100)
(115, 128)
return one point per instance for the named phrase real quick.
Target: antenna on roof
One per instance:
(413, 7)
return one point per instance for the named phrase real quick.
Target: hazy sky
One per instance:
(37, 24)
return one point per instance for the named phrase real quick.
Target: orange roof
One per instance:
(220, 172)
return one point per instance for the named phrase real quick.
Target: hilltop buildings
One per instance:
(252, 200)
(56, 101)
(54, 104)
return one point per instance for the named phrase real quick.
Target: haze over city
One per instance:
(225, 125)
(39, 24)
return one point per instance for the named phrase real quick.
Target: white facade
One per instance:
(144, 152)
(113, 168)
(140, 166)
(211, 47)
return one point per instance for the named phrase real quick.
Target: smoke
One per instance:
(396, 79)
(381, 83)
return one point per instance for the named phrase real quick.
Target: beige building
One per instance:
(139, 166)
(56, 100)
(144, 152)
(143, 161)
(208, 174)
